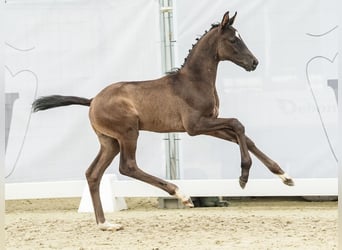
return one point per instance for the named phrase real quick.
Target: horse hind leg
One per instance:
(129, 167)
(109, 149)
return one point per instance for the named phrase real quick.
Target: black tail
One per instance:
(53, 101)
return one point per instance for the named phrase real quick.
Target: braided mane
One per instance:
(175, 70)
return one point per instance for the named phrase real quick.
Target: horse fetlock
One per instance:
(246, 163)
(169, 187)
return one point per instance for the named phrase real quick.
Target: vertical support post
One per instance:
(166, 25)
(167, 35)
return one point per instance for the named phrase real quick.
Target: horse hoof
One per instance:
(106, 226)
(242, 183)
(188, 203)
(287, 180)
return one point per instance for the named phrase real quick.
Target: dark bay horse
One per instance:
(183, 101)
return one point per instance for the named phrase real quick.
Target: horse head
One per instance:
(231, 46)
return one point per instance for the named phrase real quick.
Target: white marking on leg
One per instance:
(106, 226)
(181, 196)
(184, 198)
(284, 176)
(286, 179)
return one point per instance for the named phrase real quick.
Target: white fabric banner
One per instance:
(288, 105)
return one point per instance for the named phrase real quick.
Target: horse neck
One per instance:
(201, 64)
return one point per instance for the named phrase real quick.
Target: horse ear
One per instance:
(231, 20)
(225, 20)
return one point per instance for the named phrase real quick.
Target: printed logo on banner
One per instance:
(314, 109)
(20, 91)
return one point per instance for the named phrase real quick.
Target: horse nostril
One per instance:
(255, 62)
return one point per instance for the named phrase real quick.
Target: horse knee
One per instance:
(192, 130)
(237, 126)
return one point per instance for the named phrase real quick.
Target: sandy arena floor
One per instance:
(249, 223)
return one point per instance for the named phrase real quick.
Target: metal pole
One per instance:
(171, 139)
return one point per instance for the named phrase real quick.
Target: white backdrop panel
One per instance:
(73, 48)
(296, 44)
(78, 47)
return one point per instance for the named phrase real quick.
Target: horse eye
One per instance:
(232, 40)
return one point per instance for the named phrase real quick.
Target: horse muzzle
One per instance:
(251, 65)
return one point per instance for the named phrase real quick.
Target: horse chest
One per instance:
(215, 111)
(210, 106)
(217, 104)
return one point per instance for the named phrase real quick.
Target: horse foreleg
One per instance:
(229, 135)
(205, 125)
(129, 167)
(109, 149)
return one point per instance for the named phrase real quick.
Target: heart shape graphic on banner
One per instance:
(315, 98)
(24, 85)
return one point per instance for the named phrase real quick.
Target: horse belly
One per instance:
(161, 123)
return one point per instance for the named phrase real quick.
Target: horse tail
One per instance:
(53, 101)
